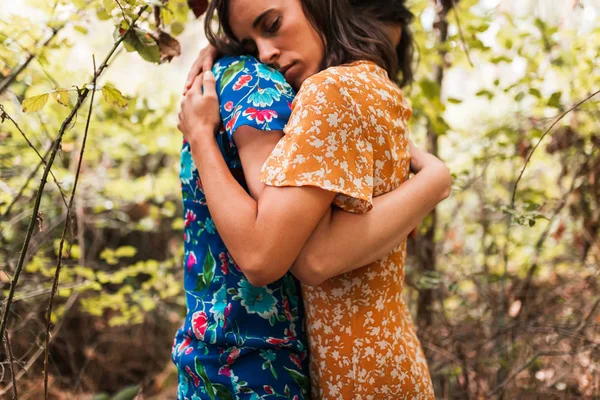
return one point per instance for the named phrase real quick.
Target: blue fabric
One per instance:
(237, 341)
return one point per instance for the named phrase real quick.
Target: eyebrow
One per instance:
(260, 17)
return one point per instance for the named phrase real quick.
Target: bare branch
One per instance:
(66, 123)
(514, 193)
(64, 233)
(3, 115)
(12, 367)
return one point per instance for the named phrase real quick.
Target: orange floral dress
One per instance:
(348, 134)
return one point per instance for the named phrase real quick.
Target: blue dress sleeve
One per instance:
(251, 93)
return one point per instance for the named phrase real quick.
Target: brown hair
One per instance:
(394, 12)
(348, 35)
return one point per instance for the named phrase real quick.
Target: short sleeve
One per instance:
(250, 93)
(326, 144)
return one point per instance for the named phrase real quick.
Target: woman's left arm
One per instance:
(264, 237)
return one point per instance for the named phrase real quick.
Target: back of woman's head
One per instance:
(394, 12)
(347, 35)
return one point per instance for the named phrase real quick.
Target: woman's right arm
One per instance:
(345, 241)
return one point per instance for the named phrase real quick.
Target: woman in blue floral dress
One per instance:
(238, 341)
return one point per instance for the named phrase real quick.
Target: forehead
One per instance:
(244, 13)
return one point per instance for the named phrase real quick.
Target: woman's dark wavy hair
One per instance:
(349, 35)
(394, 12)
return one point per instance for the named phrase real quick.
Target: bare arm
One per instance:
(344, 241)
(348, 241)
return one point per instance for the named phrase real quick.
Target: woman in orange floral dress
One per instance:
(345, 143)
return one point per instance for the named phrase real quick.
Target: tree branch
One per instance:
(66, 123)
(4, 115)
(64, 233)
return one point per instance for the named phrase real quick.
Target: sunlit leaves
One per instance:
(113, 96)
(35, 103)
(142, 42)
(62, 97)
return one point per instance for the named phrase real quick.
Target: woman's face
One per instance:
(280, 33)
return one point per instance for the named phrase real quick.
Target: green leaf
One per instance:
(128, 393)
(222, 392)
(202, 373)
(300, 379)
(62, 97)
(535, 92)
(35, 103)
(200, 284)
(554, 100)
(431, 90)
(454, 101)
(209, 267)
(486, 93)
(230, 73)
(141, 41)
(126, 251)
(81, 29)
(109, 5)
(113, 96)
(177, 28)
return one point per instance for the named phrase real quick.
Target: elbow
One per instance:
(446, 185)
(309, 270)
(261, 271)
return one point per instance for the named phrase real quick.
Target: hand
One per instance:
(420, 159)
(199, 116)
(204, 62)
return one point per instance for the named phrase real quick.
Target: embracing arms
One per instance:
(269, 236)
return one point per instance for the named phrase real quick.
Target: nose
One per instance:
(267, 52)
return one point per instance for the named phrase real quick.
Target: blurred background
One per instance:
(503, 279)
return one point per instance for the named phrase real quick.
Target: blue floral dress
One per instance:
(238, 341)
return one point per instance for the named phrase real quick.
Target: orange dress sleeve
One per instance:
(326, 144)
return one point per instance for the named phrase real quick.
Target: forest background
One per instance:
(503, 279)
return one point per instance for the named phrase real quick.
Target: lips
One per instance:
(285, 71)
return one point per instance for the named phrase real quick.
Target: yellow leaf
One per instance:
(35, 103)
(62, 97)
(113, 96)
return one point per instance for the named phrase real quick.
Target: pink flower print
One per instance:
(225, 371)
(286, 308)
(183, 345)
(233, 355)
(232, 121)
(228, 106)
(261, 116)
(195, 378)
(188, 350)
(242, 81)
(199, 324)
(226, 314)
(190, 217)
(268, 389)
(224, 264)
(191, 261)
(276, 341)
(295, 358)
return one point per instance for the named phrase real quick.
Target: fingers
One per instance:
(194, 72)
(197, 84)
(209, 84)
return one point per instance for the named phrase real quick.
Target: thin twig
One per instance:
(514, 193)
(66, 123)
(5, 83)
(22, 190)
(12, 367)
(462, 38)
(40, 349)
(64, 233)
(3, 115)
